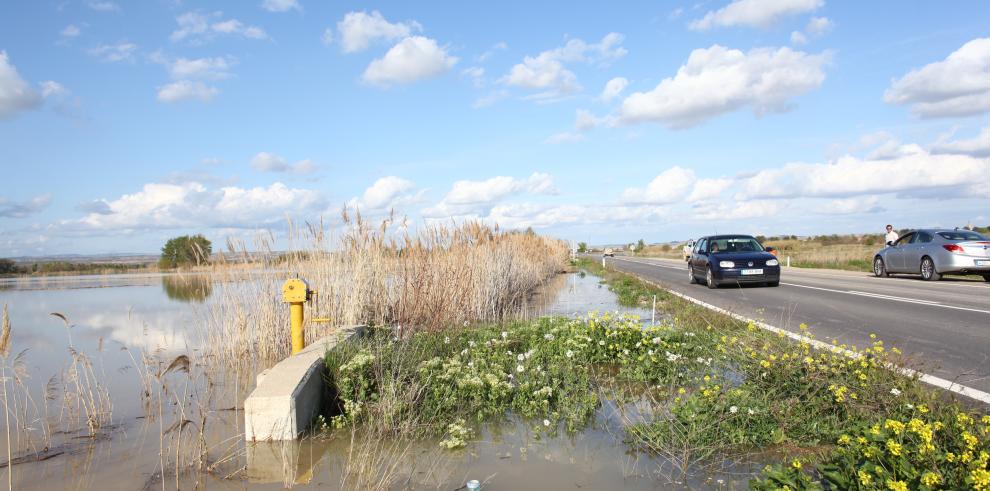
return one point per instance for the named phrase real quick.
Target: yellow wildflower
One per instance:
(981, 479)
(897, 485)
(893, 425)
(865, 478)
(844, 440)
(796, 464)
(930, 479)
(894, 448)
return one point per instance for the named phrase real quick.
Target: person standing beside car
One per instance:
(891, 236)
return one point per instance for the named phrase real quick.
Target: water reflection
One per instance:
(188, 288)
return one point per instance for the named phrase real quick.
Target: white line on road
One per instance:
(929, 303)
(939, 382)
(880, 296)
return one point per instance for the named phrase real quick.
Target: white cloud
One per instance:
(739, 210)
(197, 27)
(327, 37)
(956, 86)
(102, 5)
(185, 90)
(280, 5)
(114, 52)
(819, 26)
(709, 189)
(24, 209)
(754, 13)
(613, 88)
(719, 80)
(490, 99)
(414, 58)
(193, 205)
(269, 162)
(359, 29)
(204, 68)
(851, 206)
(386, 194)
(71, 31)
(477, 197)
(584, 120)
(906, 173)
(671, 186)
(476, 74)
(499, 46)
(523, 215)
(976, 147)
(563, 137)
(547, 72)
(15, 93)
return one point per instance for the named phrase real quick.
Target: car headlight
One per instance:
(726, 264)
(773, 262)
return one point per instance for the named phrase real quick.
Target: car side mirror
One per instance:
(769, 249)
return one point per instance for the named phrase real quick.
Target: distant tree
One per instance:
(761, 239)
(640, 245)
(8, 266)
(582, 247)
(187, 250)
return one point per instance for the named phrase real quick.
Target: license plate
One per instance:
(982, 263)
(751, 271)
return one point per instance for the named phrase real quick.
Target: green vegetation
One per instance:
(714, 387)
(582, 247)
(8, 267)
(187, 250)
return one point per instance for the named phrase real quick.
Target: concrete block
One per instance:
(289, 394)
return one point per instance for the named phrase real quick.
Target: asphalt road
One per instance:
(943, 326)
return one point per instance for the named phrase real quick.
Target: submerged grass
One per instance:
(715, 388)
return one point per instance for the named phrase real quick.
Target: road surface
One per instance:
(943, 326)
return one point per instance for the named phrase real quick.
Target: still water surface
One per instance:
(113, 319)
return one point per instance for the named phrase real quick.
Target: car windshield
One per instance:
(736, 244)
(962, 235)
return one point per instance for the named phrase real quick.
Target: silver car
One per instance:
(935, 252)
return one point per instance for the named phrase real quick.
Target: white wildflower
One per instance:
(521, 357)
(750, 411)
(672, 356)
(548, 336)
(569, 353)
(446, 340)
(895, 392)
(734, 409)
(505, 334)
(546, 422)
(601, 343)
(464, 351)
(520, 368)
(471, 344)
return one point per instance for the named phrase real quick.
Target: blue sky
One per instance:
(125, 123)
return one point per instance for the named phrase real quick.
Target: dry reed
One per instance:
(439, 276)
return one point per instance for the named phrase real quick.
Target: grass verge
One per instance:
(714, 388)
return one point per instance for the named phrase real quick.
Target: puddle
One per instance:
(111, 318)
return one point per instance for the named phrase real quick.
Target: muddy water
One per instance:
(115, 320)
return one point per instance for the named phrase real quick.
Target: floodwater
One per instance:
(116, 320)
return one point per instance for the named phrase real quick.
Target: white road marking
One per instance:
(929, 303)
(939, 382)
(880, 296)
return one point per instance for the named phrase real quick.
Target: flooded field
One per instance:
(132, 330)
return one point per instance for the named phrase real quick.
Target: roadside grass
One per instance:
(715, 389)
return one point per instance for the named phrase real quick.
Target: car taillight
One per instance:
(954, 248)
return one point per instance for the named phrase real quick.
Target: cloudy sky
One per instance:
(125, 123)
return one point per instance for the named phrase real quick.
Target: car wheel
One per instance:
(691, 278)
(986, 278)
(710, 279)
(879, 268)
(928, 269)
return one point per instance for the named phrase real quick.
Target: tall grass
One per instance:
(438, 276)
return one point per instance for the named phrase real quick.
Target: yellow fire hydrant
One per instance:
(296, 292)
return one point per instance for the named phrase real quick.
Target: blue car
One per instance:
(732, 259)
